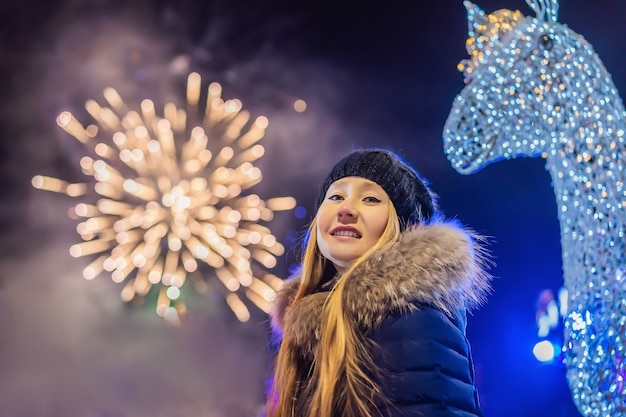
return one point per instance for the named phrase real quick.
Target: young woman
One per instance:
(374, 323)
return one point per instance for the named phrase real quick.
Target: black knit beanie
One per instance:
(409, 194)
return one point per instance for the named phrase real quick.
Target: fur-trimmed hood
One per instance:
(440, 264)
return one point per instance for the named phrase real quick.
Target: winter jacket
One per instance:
(408, 301)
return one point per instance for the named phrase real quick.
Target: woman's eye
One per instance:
(335, 197)
(371, 200)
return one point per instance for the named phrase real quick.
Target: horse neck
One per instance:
(595, 123)
(591, 97)
(587, 166)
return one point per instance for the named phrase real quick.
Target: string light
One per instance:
(537, 88)
(170, 194)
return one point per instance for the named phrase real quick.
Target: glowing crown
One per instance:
(486, 30)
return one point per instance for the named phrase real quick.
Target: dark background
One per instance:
(372, 74)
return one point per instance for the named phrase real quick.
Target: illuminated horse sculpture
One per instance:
(536, 88)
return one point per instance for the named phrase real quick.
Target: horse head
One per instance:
(521, 76)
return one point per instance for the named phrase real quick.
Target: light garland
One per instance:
(537, 88)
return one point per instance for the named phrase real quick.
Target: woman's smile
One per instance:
(343, 231)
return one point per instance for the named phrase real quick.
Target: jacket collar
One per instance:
(441, 264)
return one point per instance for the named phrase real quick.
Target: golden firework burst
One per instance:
(168, 195)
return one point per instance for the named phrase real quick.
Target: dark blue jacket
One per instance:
(426, 365)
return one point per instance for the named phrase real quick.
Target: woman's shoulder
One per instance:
(421, 344)
(427, 323)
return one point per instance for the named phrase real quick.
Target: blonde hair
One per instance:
(341, 374)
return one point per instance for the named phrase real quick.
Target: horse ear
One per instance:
(547, 10)
(475, 17)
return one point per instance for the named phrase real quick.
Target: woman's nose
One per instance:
(346, 211)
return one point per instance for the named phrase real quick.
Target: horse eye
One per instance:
(546, 42)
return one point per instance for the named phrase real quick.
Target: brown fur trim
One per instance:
(284, 299)
(440, 264)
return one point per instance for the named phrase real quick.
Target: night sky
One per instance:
(372, 73)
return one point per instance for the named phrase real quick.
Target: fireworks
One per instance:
(168, 200)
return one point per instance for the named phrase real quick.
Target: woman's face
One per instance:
(351, 219)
